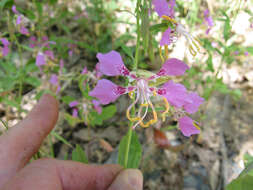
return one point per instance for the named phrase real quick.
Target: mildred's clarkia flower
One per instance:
(142, 92)
(5, 49)
(163, 9)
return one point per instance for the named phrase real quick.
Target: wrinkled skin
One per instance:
(22, 141)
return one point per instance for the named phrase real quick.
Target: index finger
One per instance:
(18, 144)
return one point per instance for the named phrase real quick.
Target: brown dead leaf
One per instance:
(105, 145)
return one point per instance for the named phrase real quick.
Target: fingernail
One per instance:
(135, 178)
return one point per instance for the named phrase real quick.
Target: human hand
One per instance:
(22, 141)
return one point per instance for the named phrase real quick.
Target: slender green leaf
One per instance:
(79, 155)
(60, 138)
(135, 151)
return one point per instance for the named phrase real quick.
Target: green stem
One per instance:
(130, 130)
(138, 35)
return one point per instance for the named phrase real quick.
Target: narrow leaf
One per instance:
(135, 151)
(79, 155)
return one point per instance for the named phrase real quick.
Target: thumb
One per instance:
(128, 179)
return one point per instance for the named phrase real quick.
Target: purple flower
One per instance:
(169, 36)
(19, 22)
(97, 106)
(43, 49)
(246, 53)
(73, 104)
(175, 94)
(75, 112)
(5, 49)
(186, 125)
(55, 82)
(209, 20)
(14, 10)
(54, 79)
(98, 74)
(84, 71)
(40, 59)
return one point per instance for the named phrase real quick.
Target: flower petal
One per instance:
(73, 104)
(111, 64)
(18, 20)
(161, 7)
(97, 106)
(175, 93)
(186, 126)
(54, 79)
(173, 67)
(40, 59)
(166, 38)
(75, 112)
(105, 91)
(5, 50)
(193, 105)
(14, 10)
(24, 30)
(4, 41)
(84, 71)
(98, 73)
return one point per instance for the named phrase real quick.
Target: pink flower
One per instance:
(54, 79)
(175, 94)
(43, 50)
(40, 59)
(97, 106)
(209, 20)
(186, 125)
(166, 11)
(75, 112)
(84, 71)
(19, 21)
(5, 49)
(55, 82)
(73, 104)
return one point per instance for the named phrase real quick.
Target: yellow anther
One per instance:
(154, 93)
(167, 106)
(130, 94)
(192, 51)
(196, 125)
(169, 19)
(161, 54)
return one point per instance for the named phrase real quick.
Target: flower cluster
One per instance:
(141, 91)
(43, 49)
(20, 21)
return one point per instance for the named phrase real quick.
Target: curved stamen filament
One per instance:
(167, 106)
(169, 19)
(152, 121)
(130, 107)
(192, 51)
(139, 113)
